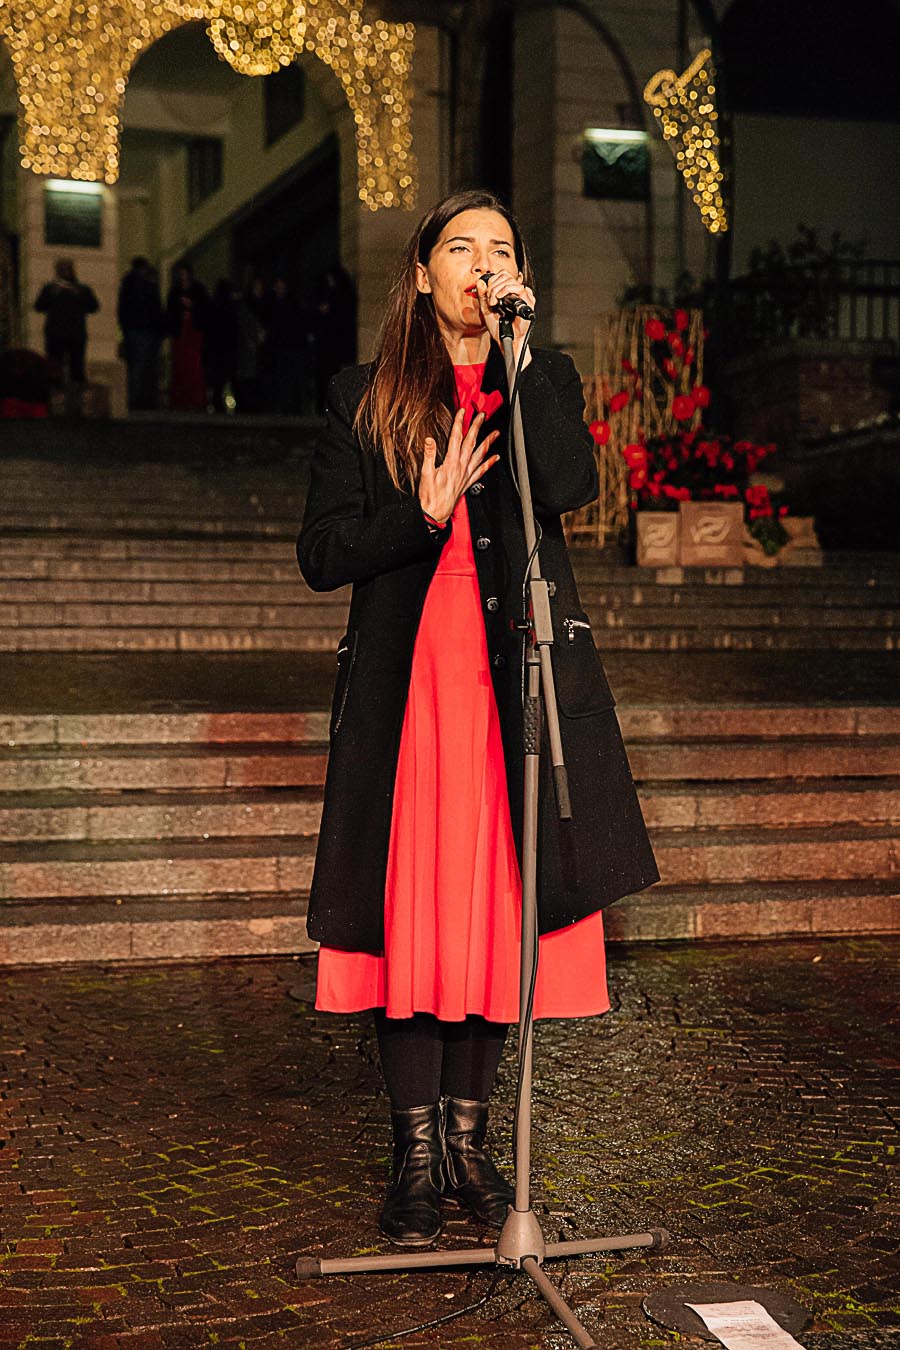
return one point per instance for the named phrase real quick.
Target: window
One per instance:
(284, 100)
(204, 169)
(615, 164)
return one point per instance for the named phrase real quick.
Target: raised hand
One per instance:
(442, 485)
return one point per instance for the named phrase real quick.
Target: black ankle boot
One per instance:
(471, 1177)
(412, 1211)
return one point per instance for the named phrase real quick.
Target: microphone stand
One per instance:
(520, 1244)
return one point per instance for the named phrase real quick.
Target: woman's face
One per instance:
(471, 243)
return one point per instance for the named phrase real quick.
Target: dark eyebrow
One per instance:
(470, 239)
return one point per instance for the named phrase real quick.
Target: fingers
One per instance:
(429, 454)
(480, 471)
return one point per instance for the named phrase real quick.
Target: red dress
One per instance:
(452, 903)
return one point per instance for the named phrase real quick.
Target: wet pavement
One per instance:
(174, 1136)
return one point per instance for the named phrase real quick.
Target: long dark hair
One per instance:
(410, 389)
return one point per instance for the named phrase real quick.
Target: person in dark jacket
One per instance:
(141, 321)
(416, 893)
(66, 302)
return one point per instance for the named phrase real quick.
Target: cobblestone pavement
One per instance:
(174, 1136)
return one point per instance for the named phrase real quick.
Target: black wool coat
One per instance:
(359, 528)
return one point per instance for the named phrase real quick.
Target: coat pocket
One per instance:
(346, 655)
(581, 685)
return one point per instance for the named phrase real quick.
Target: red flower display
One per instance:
(618, 401)
(700, 395)
(655, 329)
(599, 431)
(681, 320)
(675, 344)
(683, 407)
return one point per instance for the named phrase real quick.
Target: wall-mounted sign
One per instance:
(615, 164)
(73, 214)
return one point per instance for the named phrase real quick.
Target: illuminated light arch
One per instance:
(685, 106)
(72, 60)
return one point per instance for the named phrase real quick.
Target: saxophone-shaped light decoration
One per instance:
(72, 60)
(686, 108)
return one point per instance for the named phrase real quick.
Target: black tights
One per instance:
(424, 1059)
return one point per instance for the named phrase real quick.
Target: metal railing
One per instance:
(850, 300)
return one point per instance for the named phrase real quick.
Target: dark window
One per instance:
(204, 169)
(812, 58)
(615, 165)
(284, 100)
(73, 215)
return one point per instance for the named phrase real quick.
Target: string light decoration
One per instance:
(72, 60)
(254, 37)
(686, 108)
(372, 60)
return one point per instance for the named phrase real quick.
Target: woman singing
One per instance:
(416, 894)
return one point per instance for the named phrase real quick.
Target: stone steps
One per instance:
(146, 814)
(64, 869)
(70, 584)
(61, 591)
(262, 639)
(193, 834)
(145, 927)
(206, 814)
(216, 867)
(166, 767)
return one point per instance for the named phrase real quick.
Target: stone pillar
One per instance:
(97, 267)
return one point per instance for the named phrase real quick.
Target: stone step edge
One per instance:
(79, 854)
(242, 798)
(201, 641)
(42, 933)
(684, 722)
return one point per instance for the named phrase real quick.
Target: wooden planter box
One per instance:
(657, 538)
(712, 534)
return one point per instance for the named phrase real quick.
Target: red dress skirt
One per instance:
(452, 904)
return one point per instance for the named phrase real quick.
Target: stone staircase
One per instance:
(182, 835)
(65, 591)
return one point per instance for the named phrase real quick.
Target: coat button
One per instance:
(492, 603)
(499, 662)
(475, 489)
(482, 542)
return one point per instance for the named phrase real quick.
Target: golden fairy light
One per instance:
(72, 60)
(686, 108)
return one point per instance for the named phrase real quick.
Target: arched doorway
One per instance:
(240, 178)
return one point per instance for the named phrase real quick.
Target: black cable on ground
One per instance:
(436, 1321)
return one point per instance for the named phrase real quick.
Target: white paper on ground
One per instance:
(744, 1326)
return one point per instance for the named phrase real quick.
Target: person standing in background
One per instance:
(141, 321)
(66, 302)
(335, 327)
(186, 319)
(221, 348)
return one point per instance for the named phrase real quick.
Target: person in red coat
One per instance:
(416, 895)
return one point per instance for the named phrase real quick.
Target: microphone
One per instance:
(512, 305)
